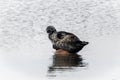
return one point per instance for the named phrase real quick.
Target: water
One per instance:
(26, 52)
(96, 61)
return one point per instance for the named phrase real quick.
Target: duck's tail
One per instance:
(85, 42)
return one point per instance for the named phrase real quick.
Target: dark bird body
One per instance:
(65, 40)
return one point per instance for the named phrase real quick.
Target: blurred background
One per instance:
(26, 52)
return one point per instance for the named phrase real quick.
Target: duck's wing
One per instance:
(68, 41)
(67, 37)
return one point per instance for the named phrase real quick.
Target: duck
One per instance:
(65, 40)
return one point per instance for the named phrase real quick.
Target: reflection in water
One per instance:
(62, 62)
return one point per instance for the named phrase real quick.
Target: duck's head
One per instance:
(50, 29)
